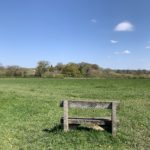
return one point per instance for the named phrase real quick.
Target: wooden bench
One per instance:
(68, 121)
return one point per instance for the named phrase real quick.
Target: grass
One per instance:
(30, 114)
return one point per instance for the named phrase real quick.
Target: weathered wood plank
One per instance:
(65, 123)
(88, 104)
(81, 120)
(114, 119)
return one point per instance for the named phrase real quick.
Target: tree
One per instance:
(60, 67)
(41, 68)
(89, 70)
(15, 71)
(71, 70)
(2, 70)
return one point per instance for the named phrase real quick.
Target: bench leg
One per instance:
(114, 119)
(66, 126)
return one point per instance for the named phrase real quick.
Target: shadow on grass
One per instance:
(59, 128)
(54, 129)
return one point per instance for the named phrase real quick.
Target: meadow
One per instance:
(30, 113)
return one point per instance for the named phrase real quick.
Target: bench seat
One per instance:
(83, 120)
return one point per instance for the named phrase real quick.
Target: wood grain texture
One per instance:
(88, 104)
(65, 123)
(114, 119)
(83, 120)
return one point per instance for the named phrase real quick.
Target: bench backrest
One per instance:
(89, 104)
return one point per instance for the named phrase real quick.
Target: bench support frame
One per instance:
(66, 120)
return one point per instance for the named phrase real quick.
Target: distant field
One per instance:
(30, 113)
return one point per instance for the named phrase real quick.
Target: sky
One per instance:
(111, 33)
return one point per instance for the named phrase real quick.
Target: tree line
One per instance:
(74, 70)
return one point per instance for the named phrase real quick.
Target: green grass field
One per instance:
(30, 114)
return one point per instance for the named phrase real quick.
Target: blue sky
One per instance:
(111, 33)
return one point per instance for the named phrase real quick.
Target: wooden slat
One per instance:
(81, 120)
(88, 104)
(114, 119)
(65, 123)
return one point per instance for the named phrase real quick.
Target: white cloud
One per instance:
(125, 52)
(113, 41)
(124, 26)
(147, 47)
(93, 20)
